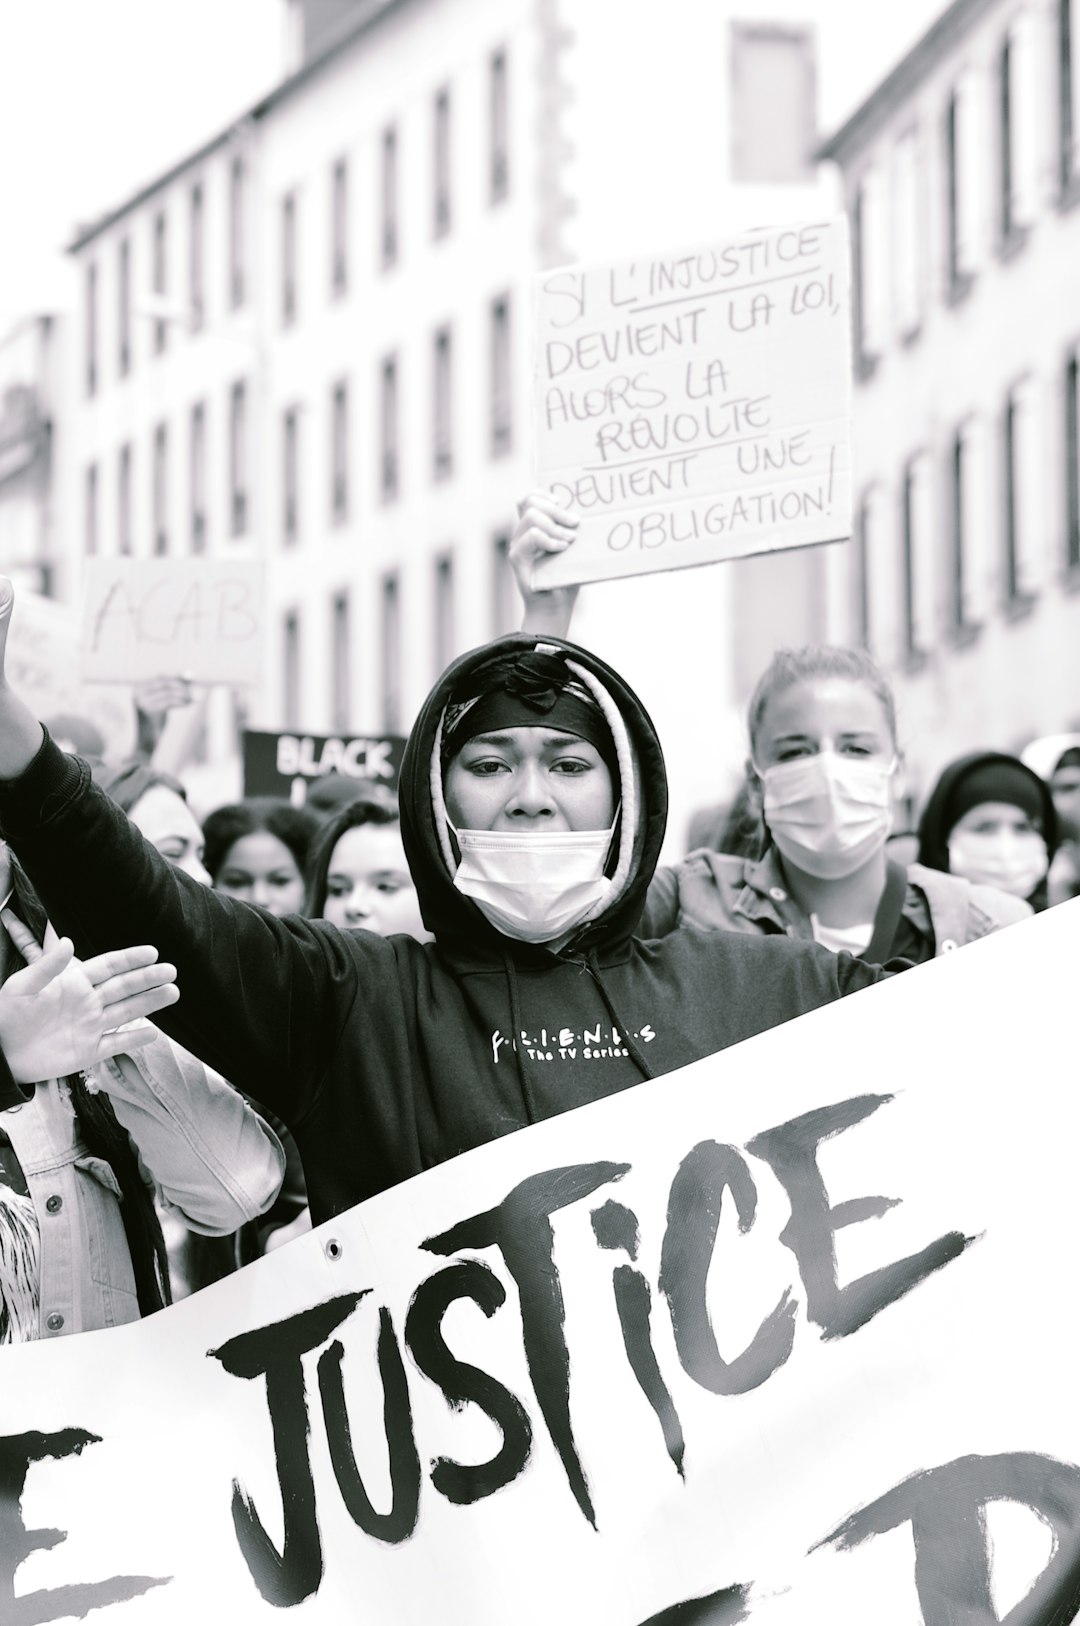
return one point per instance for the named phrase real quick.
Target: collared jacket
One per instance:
(717, 891)
(201, 1150)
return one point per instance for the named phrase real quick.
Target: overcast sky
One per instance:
(97, 96)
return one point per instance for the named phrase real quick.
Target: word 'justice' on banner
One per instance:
(782, 1338)
(696, 406)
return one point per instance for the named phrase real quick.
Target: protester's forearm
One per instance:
(20, 734)
(549, 614)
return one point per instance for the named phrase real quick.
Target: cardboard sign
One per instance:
(285, 764)
(787, 1337)
(696, 406)
(146, 618)
(43, 668)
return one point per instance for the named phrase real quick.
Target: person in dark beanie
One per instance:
(991, 820)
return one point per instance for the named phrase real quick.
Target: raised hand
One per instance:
(542, 528)
(20, 732)
(154, 699)
(61, 1015)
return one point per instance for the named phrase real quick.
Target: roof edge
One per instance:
(871, 113)
(373, 12)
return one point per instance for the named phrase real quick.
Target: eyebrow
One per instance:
(507, 742)
(844, 734)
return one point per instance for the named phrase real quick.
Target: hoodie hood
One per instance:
(939, 815)
(456, 922)
(1044, 755)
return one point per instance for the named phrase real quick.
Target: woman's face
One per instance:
(998, 844)
(835, 714)
(259, 868)
(529, 779)
(168, 823)
(369, 885)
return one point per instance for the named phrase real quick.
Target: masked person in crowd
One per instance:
(360, 875)
(1056, 760)
(821, 783)
(258, 850)
(991, 820)
(533, 805)
(94, 1124)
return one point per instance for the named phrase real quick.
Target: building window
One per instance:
(339, 228)
(340, 664)
(388, 193)
(290, 670)
(907, 236)
(1018, 96)
(441, 164)
(964, 158)
(1068, 94)
(505, 602)
(443, 618)
(442, 407)
(389, 472)
(339, 453)
(288, 260)
(917, 559)
(870, 249)
(967, 530)
(1072, 464)
(238, 459)
(862, 599)
(198, 478)
(501, 399)
(160, 278)
(773, 104)
(237, 233)
(196, 249)
(499, 131)
(161, 489)
(123, 308)
(124, 505)
(91, 533)
(1022, 507)
(290, 473)
(390, 653)
(91, 329)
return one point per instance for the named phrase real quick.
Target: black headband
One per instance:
(528, 691)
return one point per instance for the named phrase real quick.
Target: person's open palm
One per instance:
(60, 1015)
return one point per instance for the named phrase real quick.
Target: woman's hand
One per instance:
(154, 699)
(60, 1015)
(542, 528)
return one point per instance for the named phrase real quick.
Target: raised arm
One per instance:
(542, 528)
(261, 999)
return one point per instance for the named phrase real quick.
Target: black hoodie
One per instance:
(386, 1056)
(939, 816)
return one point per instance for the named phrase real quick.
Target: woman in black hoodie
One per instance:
(991, 820)
(385, 1055)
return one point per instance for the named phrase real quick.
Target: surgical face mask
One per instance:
(534, 886)
(828, 814)
(1014, 861)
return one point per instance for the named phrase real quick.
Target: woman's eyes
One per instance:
(570, 765)
(235, 881)
(338, 888)
(391, 885)
(485, 767)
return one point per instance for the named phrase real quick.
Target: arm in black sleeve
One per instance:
(261, 1000)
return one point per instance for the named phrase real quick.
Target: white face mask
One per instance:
(534, 886)
(1014, 861)
(828, 814)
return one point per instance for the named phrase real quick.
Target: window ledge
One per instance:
(1069, 196)
(965, 633)
(1019, 606)
(960, 286)
(915, 661)
(1012, 243)
(1070, 579)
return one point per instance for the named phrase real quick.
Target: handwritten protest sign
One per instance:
(781, 1333)
(43, 665)
(696, 406)
(145, 617)
(284, 764)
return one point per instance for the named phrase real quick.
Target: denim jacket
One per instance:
(716, 891)
(201, 1148)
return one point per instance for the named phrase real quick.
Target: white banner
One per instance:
(696, 406)
(786, 1338)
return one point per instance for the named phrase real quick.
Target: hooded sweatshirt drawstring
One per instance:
(515, 1017)
(593, 967)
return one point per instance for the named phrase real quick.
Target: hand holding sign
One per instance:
(542, 529)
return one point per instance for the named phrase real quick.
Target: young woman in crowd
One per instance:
(533, 805)
(991, 820)
(157, 804)
(360, 875)
(258, 850)
(94, 1124)
(821, 780)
